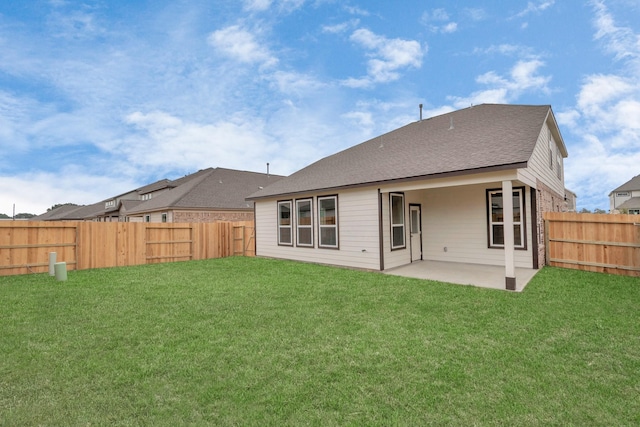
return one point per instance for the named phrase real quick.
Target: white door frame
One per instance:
(415, 231)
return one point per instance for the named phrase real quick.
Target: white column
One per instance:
(509, 251)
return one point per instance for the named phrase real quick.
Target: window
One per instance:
(559, 164)
(304, 218)
(634, 211)
(147, 218)
(396, 203)
(328, 222)
(284, 223)
(110, 204)
(622, 194)
(164, 217)
(496, 218)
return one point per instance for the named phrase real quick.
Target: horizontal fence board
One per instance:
(593, 242)
(25, 245)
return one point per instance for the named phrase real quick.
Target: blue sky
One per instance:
(100, 97)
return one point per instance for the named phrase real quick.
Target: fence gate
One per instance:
(243, 240)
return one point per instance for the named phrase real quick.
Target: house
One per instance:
(626, 198)
(431, 190)
(570, 200)
(213, 194)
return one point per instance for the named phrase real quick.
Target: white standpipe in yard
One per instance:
(52, 261)
(61, 271)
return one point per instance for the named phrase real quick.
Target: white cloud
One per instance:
(70, 185)
(451, 27)
(476, 14)
(536, 7)
(438, 21)
(263, 5)
(241, 45)
(75, 25)
(604, 123)
(293, 83)
(257, 5)
(508, 49)
(621, 41)
(353, 10)
(523, 77)
(185, 144)
(341, 27)
(388, 57)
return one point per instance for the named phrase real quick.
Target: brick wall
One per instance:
(547, 201)
(211, 216)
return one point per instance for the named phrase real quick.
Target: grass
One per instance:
(246, 341)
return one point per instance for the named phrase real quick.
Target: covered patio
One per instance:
(484, 276)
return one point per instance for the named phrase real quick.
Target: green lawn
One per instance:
(247, 341)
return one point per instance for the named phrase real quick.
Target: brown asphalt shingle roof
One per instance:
(217, 188)
(475, 138)
(631, 185)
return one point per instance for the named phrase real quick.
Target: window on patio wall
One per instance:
(284, 223)
(304, 222)
(328, 222)
(396, 203)
(496, 218)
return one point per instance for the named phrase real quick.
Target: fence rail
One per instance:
(25, 245)
(593, 242)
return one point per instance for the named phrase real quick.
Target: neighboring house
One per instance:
(570, 200)
(626, 198)
(213, 194)
(431, 190)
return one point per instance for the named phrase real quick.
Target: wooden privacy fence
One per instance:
(593, 242)
(25, 245)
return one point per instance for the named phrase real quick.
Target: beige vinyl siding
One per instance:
(357, 231)
(538, 165)
(456, 218)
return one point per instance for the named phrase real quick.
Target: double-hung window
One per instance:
(328, 222)
(284, 223)
(396, 203)
(304, 222)
(496, 218)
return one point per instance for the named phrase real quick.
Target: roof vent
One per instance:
(420, 112)
(451, 124)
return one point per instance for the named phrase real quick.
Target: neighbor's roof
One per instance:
(632, 203)
(631, 185)
(56, 213)
(217, 188)
(463, 141)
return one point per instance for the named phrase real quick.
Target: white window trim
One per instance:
(398, 225)
(328, 226)
(290, 226)
(300, 226)
(521, 223)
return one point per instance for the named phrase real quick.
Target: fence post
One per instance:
(547, 260)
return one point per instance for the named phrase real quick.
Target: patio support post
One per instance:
(509, 250)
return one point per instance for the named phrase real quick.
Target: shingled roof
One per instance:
(217, 188)
(632, 185)
(477, 138)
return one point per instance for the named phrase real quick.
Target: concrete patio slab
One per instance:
(485, 276)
